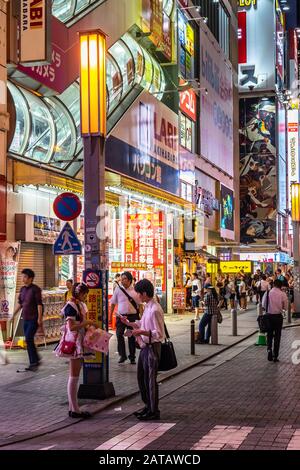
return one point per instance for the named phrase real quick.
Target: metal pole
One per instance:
(296, 269)
(214, 329)
(234, 319)
(193, 337)
(75, 227)
(289, 313)
(96, 383)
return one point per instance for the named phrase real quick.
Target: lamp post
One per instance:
(295, 213)
(93, 130)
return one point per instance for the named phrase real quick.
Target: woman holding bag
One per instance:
(75, 315)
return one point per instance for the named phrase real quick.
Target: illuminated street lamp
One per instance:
(93, 130)
(295, 214)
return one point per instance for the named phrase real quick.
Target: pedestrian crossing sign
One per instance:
(67, 242)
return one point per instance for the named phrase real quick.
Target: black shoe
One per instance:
(122, 359)
(276, 359)
(32, 367)
(83, 414)
(132, 361)
(270, 356)
(149, 416)
(141, 412)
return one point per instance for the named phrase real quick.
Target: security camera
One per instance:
(251, 87)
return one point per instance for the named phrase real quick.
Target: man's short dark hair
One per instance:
(278, 283)
(279, 270)
(128, 275)
(70, 280)
(145, 287)
(28, 272)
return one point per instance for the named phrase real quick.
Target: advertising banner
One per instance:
(186, 46)
(152, 20)
(258, 178)
(145, 242)
(281, 152)
(293, 150)
(216, 107)
(35, 44)
(256, 39)
(3, 201)
(187, 166)
(227, 213)
(9, 258)
(234, 267)
(188, 103)
(293, 61)
(144, 144)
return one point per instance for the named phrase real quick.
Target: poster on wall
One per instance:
(256, 51)
(227, 213)
(216, 107)
(258, 179)
(9, 258)
(293, 149)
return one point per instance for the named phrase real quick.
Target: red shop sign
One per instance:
(188, 103)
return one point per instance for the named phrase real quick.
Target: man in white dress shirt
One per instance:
(150, 333)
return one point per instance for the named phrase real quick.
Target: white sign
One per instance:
(9, 258)
(293, 151)
(216, 107)
(35, 31)
(257, 71)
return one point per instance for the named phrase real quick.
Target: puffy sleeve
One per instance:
(70, 312)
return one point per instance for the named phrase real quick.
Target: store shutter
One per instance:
(32, 256)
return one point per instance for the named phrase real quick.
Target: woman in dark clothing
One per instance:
(211, 302)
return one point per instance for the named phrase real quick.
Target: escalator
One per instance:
(48, 128)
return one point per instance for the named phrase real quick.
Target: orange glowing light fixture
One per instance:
(295, 191)
(93, 83)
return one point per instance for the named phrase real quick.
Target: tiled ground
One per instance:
(238, 401)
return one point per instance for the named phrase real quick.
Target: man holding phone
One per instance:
(128, 304)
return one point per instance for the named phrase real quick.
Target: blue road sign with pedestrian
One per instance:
(67, 242)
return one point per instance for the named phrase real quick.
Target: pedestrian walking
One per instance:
(117, 279)
(243, 294)
(211, 307)
(196, 294)
(75, 312)
(262, 286)
(188, 287)
(150, 333)
(30, 301)
(274, 302)
(231, 291)
(128, 304)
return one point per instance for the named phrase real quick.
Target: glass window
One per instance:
(138, 56)
(186, 47)
(63, 9)
(21, 134)
(187, 132)
(168, 6)
(42, 135)
(65, 145)
(113, 82)
(125, 61)
(81, 4)
(71, 99)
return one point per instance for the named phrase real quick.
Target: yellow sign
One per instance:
(247, 3)
(234, 267)
(190, 39)
(94, 306)
(212, 268)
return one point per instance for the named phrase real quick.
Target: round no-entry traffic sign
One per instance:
(67, 206)
(92, 280)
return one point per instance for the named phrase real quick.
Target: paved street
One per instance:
(235, 400)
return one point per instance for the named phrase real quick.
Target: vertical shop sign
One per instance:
(96, 311)
(293, 150)
(3, 201)
(279, 49)
(152, 20)
(188, 103)
(167, 42)
(145, 242)
(227, 213)
(35, 45)
(242, 36)
(293, 60)
(9, 258)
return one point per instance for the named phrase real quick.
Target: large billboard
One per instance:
(258, 178)
(144, 144)
(227, 213)
(257, 47)
(216, 107)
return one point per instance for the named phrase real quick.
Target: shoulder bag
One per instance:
(131, 300)
(65, 347)
(168, 358)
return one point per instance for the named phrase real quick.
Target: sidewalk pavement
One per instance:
(34, 403)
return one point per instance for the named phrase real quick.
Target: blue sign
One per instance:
(129, 161)
(67, 242)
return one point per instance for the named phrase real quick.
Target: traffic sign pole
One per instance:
(96, 383)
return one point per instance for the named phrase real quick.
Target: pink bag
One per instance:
(97, 340)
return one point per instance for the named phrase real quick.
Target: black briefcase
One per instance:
(168, 359)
